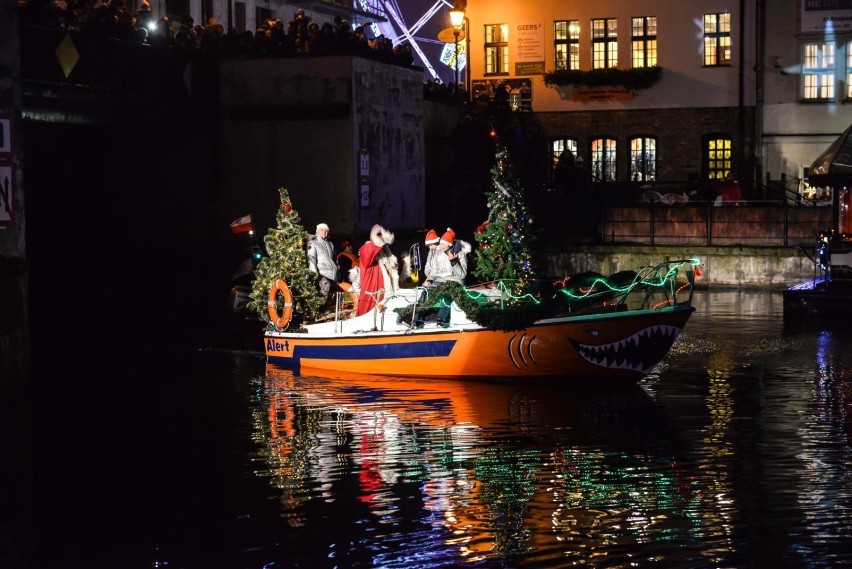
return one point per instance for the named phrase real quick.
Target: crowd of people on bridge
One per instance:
(300, 36)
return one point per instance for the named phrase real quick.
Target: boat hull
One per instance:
(625, 345)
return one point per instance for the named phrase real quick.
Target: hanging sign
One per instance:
(529, 49)
(364, 178)
(5, 135)
(7, 192)
(602, 94)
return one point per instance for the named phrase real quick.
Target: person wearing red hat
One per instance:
(448, 260)
(431, 238)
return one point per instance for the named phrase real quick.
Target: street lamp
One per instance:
(457, 20)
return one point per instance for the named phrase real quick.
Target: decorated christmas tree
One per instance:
(504, 238)
(285, 248)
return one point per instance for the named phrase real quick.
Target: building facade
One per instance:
(805, 87)
(637, 90)
(757, 88)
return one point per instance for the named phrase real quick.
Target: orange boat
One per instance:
(605, 331)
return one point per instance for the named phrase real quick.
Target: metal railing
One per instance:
(754, 223)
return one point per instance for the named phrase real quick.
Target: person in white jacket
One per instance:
(321, 260)
(447, 261)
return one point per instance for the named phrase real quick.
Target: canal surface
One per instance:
(734, 452)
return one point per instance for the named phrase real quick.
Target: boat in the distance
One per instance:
(595, 328)
(827, 297)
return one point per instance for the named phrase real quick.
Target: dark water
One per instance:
(735, 452)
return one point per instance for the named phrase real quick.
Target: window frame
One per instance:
(496, 50)
(557, 146)
(717, 39)
(848, 94)
(717, 167)
(640, 163)
(566, 43)
(604, 160)
(604, 43)
(818, 81)
(643, 45)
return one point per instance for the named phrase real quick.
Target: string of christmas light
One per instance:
(650, 276)
(514, 311)
(504, 238)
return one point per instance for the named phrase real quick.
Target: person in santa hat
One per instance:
(431, 241)
(448, 260)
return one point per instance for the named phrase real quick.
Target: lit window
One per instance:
(603, 159)
(497, 49)
(643, 159)
(604, 43)
(644, 41)
(717, 39)
(557, 147)
(849, 70)
(818, 71)
(566, 44)
(718, 156)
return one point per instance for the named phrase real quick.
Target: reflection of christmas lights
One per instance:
(480, 497)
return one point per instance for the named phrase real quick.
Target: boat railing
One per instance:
(665, 284)
(653, 287)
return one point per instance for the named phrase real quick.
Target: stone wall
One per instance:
(773, 268)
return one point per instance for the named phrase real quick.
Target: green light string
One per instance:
(517, 311)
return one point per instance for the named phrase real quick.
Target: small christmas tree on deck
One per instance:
(503, 253)
(286, 260)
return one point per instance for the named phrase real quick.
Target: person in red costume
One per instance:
(372, 276)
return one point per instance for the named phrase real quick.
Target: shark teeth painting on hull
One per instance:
(639, 352)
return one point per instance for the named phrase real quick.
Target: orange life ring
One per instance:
(280, 320)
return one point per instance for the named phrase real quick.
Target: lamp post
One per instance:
(457, 20)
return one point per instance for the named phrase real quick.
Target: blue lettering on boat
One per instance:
(274, 346)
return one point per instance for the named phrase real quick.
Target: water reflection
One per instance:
(735, 452)
(450, 470)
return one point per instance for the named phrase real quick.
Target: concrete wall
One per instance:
(302, 123)
(773, 268)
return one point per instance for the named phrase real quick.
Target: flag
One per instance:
(242, 225)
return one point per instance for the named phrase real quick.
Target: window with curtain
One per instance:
(818, 62)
